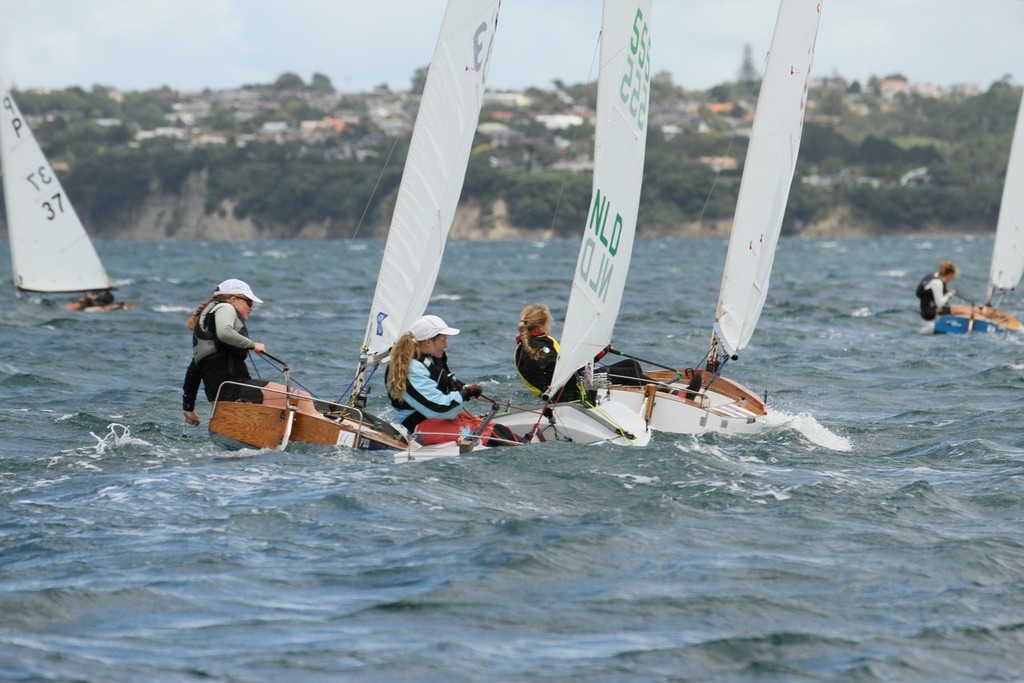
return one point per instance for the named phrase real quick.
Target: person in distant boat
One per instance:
(429, 401)
(933, 291)
(102, 300)
(536, 352)
(220, 346)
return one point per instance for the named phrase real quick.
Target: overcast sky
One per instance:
(358, 44)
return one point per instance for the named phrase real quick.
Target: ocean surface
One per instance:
(872, 532)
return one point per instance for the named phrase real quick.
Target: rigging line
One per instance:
(541, 414)
(269, 360)
(639, 359)
(387, 163)
(963, 298)
(373, 192)
(754, 88)
(595, 58)
(363, 382)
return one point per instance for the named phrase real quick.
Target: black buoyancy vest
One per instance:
(536, 374)
(924, 294)
(206, 344)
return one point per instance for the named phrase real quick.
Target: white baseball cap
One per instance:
(238, 288)
(429, 326)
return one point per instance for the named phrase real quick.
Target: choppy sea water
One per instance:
(871, 533)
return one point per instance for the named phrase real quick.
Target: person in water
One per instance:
(536, 352)
(220, 346)
(428, 399)
(102, 300)
(933, 291)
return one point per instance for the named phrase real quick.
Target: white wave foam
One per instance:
(694, 444)
(810, 429)
(630, 481)
(864, 312)
(117, 435)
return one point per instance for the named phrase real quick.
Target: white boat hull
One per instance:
(723, 406)
(608, 422)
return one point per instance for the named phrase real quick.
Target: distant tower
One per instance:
(747, 74)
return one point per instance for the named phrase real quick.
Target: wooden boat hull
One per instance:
(236, 424)
(964, 319)
(251, 425)
(721, 405)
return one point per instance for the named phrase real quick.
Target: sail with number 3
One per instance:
(50, 250)
(435, 169)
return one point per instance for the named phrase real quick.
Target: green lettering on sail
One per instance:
(597, 258)
(636, 77)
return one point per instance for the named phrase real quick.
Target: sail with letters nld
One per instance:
(619, 147)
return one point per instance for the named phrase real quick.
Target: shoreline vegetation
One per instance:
(300, 160)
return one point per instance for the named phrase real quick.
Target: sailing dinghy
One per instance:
(50, 250)
(623, 94)
(432, 180)
(1007, 253)
(696, 400)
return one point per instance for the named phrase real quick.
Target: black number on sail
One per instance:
(15, 120)
(43, 175)
(52, 212)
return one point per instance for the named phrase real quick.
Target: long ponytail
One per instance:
(534, 318)
(403, 351)
(199, 309)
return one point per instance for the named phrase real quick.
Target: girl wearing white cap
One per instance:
(220, 346)
(427, 398)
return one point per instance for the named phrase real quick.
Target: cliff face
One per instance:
(168, 216)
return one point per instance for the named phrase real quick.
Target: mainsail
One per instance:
(623, 93)
(767, 173)
(434, 171)
(1008, 250)
(50, 250)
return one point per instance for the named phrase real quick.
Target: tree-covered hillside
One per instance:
(288, 155)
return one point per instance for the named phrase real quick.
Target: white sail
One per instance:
(50, 251)
(767, 173)
(434, 170)
(623, 93)
(1008, 251)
